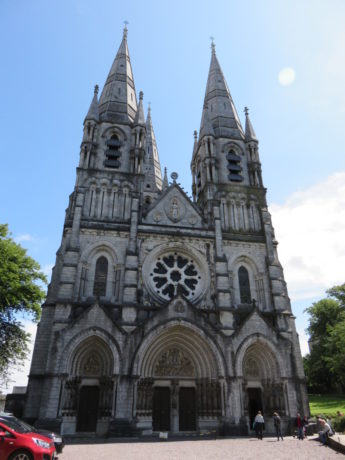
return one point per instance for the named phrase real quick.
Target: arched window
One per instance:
(113, 153)
(243, 279)
(234, 166)
(101, 272)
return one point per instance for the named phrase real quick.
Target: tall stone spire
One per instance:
(93, 113)
(152, 167)
(118, 101)
(221, 108)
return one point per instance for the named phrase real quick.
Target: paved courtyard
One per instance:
(220, 449)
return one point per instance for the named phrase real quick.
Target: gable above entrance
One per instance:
(173, 208)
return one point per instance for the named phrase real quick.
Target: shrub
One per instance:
(339, 424)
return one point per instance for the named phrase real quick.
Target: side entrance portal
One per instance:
(88, 409)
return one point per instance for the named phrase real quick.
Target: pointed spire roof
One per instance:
(222, 111)
(93, 114)
(250, 133)
(140, 117)
(152, 166)
(118, 102)
(165, 179)
(206, 128)
(195, 146)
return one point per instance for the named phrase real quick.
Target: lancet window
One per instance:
(101, 273)
(243, 279)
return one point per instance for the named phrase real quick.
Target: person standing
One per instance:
(299, 425)
(277, 425)
(305, 424)
(259, 424)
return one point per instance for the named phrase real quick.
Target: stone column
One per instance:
(131, 268)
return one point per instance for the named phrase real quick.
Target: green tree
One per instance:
(19, 296)
(324, 365)
(335, 347)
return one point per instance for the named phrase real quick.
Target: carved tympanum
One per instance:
(251, 369)
(174, 363)
(92, 366)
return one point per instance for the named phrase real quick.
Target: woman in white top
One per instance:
(259, 424)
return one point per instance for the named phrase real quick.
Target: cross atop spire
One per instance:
(125, 29)
(213, 45)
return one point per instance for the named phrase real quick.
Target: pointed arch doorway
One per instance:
(179, 388)
(87, 395)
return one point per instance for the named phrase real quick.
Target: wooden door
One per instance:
(88, 409)
(187, 412)
(161, 409)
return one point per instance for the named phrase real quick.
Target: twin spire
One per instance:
(118, 101)
(219, 115)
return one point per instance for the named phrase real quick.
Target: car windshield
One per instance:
(17, 425)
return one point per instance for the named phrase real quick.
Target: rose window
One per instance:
(174, 274)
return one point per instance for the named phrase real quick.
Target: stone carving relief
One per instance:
(91, 366)
(251, 369)
(175, 210)
(174, 363)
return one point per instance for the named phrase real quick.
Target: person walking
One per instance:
(259, 424)
(299, 425)
(277, 425)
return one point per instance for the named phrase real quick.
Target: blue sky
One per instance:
(53, 53)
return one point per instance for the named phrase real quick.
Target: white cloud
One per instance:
(310, 228)
(19, 376)
(24, 237)
(47, 270)
(286, 76)
(303, 341)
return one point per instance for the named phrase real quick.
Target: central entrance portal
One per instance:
(187, 415)
(254, 404)
(88, 408)
(161, 409)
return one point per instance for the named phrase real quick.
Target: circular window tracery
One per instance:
(174, 274)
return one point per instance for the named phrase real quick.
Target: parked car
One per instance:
(16, 443)
(56, 438)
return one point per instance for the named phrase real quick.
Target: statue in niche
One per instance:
(174, 209)
(91, 366)
(174, 363)
(251, 369)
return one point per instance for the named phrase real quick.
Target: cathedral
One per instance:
(165, 313)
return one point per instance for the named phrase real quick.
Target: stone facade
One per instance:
(165, 313)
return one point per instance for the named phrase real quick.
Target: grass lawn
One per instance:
(326, 404)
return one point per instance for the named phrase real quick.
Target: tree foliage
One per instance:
(20, 295)
(324, 366)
